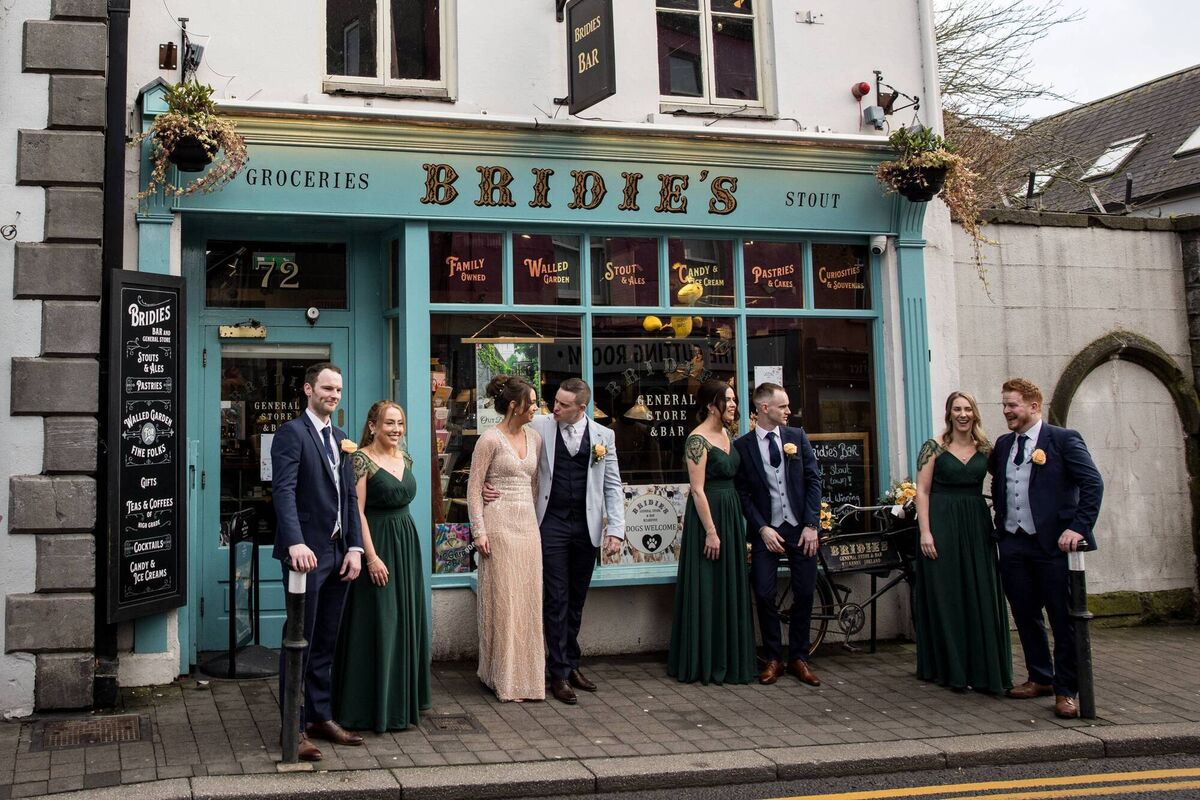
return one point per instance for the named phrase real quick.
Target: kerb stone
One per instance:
(481, 781)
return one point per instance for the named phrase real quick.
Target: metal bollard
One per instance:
(1083, 636)
(294, 644)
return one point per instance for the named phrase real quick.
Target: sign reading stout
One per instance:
(591, 68)
(146, 445)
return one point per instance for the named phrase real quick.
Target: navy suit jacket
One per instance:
(304, 494)
(803, 480)
(1064, 492)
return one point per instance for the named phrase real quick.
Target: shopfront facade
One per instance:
(424, 258)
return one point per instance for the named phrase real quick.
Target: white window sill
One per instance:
(376, 90)
(678, 110)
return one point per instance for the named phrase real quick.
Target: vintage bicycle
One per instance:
(888, 550)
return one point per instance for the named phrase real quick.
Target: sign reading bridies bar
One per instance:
(591, 68)
(147, 551)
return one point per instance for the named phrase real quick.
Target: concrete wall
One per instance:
(1053, 291)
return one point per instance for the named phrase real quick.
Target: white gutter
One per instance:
(931, 100)
(308, 110)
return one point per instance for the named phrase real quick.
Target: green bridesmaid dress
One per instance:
(712, 632)
(381, 675)
(961, 616)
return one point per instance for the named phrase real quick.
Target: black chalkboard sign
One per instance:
(845, 463)
(147, 547)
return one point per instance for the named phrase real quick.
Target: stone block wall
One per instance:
(57, 165)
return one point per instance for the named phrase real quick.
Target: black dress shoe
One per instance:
(563, 692)
(578, 680)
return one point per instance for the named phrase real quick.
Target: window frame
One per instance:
(383, 85)
(764, 107)
(1130, 145)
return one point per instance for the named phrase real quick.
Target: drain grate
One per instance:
(63, 734)
(451, 723)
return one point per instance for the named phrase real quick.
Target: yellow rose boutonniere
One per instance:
(599, 451)
(348, 447)
(1038, 457)
(789, 450)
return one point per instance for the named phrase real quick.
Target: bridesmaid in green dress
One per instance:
(712, 635)
(381, 675)
(961, 617)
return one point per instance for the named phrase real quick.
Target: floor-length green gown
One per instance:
(712, 632)
(381, 675)
(961, 616)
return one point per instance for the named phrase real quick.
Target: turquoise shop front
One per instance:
(424, 257)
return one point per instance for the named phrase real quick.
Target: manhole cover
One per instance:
(62, 734)
(451, 723)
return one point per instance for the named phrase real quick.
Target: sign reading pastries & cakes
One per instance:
(146, 445)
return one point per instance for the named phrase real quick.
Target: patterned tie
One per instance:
(1020, 459)
(569, 439)
(773, 450)
(327, 433)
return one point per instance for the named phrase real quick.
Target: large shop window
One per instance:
(827, 369)
(387, 46)
(708, 52)
(467, 350)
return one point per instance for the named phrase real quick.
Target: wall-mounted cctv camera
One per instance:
(312, 314)
(878, 245)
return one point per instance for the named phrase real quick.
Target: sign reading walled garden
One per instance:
(146, 521)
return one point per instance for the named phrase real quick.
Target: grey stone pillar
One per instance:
(61, 384)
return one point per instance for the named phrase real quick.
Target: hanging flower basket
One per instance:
(192, 155)
(189, 135)
(922, 184)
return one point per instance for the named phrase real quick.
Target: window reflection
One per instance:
(625, 271)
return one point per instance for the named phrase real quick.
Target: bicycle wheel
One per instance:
(822, 611)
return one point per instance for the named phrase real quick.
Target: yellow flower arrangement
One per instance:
(789, 449)
(348, 446)
(901, 493)
(599, 451)
(1038, 456)
(826, 520)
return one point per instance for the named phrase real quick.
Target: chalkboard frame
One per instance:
(864, 438)
(120, 478)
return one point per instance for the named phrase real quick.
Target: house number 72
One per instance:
(289, 273)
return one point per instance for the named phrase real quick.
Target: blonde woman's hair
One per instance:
(977, 434)
(373, 415)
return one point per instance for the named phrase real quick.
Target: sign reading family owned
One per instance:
(591, 61)
(146, 522)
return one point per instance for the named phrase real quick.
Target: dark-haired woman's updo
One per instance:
(711, 393)
(508, 391)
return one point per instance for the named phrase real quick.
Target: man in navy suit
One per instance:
(317, 532)
(1046, 494)
(780, 489)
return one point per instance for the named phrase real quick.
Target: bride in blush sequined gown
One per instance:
(512, 656)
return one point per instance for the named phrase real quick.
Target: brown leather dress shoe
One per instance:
(771, 672)
(799, 667)
(580, 681)
(308, 750)
(563, 692)
(330, 731)
(1028, 690)
(1065, 707)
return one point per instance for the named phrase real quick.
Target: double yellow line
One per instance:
(1154, 780)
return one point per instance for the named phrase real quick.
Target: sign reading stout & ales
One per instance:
(591, 68)
(146, 445)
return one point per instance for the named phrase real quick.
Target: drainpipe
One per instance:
(1188, 230)
(931, 100)
(106, 693)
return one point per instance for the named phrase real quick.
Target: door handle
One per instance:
(341, 418)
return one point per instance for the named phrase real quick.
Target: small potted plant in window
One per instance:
(190, 134)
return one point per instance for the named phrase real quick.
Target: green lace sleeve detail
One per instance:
(930, 450)
(363, 466)
(695, 447)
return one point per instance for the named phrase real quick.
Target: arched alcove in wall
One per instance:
(1139, 467)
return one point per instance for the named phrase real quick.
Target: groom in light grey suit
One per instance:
(579, 485)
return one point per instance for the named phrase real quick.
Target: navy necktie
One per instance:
(327, 433)
(773, 450)
(1020, 459)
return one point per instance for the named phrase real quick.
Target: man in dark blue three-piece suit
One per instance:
(317, 532)
(780, 488)
(1046, 494)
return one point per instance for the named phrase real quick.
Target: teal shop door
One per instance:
(251, 387)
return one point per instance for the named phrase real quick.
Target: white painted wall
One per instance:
(24, 100)
(1053, 292)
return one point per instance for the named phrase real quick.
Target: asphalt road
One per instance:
(1173, 777)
